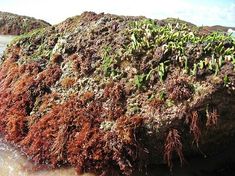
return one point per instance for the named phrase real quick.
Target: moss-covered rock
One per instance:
(112, 94)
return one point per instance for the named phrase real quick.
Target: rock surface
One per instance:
(112, 94)
(12, 24)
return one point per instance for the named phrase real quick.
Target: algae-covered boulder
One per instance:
(12, 24)
(112, 94)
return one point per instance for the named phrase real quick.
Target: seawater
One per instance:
(4, 40)
(14, 163)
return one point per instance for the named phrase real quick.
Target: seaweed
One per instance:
(212, 117)
(179, 89)
(173, 144)
(116, 94)
(67, 82)
(194, 126)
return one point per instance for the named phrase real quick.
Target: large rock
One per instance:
(12, 24)
(112, 94)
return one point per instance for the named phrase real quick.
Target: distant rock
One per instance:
(12, 24)
(179, 21)
(208, 29)
(203, 29)
(220, 28)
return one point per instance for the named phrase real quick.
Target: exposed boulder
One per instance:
(111, 94)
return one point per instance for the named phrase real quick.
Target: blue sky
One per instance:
(207, 12)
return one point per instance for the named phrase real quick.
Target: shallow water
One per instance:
(4, 40)
(13, 163)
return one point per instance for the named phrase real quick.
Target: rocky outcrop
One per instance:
(218, 28)
(12, 24)
(112, 94)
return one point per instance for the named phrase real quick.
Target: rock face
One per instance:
(111, 94)
(12, 24)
